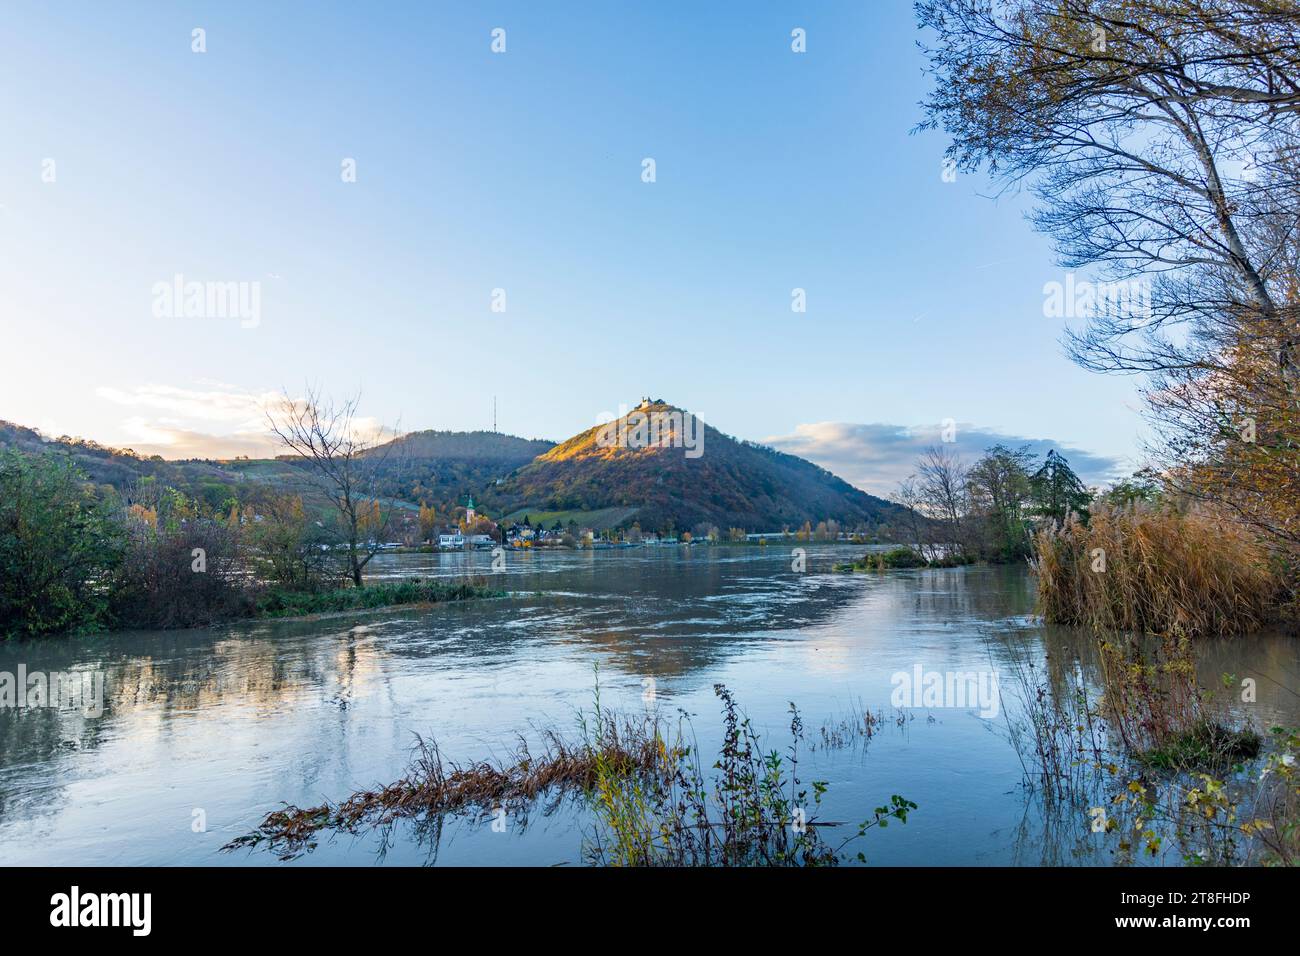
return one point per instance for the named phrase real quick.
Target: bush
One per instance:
(289, 550)
(163, 583)
(902, 558)
(57, 547)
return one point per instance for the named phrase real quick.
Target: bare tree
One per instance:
(347, 465)
(941, 482)
(908, 496)
(1150, 131)
(1162, 139)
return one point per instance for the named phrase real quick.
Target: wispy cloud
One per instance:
(146, 438)
(876, 457)
(217, 420)
(218, 403)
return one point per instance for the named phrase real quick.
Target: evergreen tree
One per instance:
(1057, 490)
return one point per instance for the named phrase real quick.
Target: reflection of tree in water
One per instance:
(966, 594)
(154, 681)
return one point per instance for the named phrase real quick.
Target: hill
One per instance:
(722, 482)
(212, 482)
(586, 479)
(441, 467)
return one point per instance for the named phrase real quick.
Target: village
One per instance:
(473, 530)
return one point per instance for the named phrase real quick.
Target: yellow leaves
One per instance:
(148, 516)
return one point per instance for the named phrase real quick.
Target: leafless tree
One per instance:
(908, 496)
(1157, 134)
(941, 482)
(347, 466)
(1162, 139)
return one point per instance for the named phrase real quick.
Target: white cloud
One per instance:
(876, 457)
(243, 409)
(217, 421)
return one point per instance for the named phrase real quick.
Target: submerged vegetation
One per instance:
(904, 557)
(1152, 759)
(642, 782)
(282, 603)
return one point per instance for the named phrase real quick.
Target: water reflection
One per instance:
(239, 720)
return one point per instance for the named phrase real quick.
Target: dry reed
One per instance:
(1155, 570)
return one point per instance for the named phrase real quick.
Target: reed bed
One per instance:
(1155, 570)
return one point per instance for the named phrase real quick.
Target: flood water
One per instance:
(204, 732)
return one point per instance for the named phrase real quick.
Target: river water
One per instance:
(203, 732)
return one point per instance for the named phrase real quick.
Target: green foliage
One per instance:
(1000, 488)
(1207, 745)
(57, 547)
(1058, 492)
(285, 603)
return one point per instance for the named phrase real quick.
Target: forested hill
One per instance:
(729, 484)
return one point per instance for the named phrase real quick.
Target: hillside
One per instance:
(212, 482)
(730, 484)
(443, 467)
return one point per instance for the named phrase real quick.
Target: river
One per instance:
(203, 732)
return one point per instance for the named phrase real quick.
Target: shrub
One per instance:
(162, 583)
(57, 547)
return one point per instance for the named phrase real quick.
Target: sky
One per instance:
(397, 210)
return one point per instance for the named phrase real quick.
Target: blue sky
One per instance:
(519, 171)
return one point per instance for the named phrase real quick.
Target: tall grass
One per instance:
(1124, 738)
(1155, 570)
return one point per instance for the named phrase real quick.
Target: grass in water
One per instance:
(280, 603)
(754, 811)
(1148, 758)
(644, 786)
